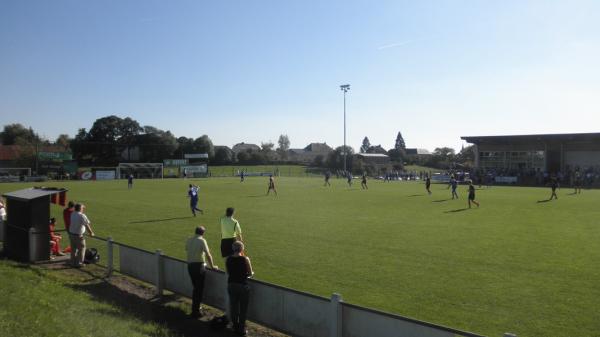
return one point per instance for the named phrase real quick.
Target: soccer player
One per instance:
(577, 183)
(271, 185)
(363, 183)
(454, 184)
(349, 178)
(241, 176)
(193, 195)
(130, 181)
(553, 185)
(428, 184)
(327, 176)
(472, 194)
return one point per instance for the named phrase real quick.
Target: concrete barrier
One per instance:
(284, 309)
(138, 263)
(358, 321)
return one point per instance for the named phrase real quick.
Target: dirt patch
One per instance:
(139, 300)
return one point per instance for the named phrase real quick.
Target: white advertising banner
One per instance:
(105, 175)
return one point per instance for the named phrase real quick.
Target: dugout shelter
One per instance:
(545, 152)
(27, 236)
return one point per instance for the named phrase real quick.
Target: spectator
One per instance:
(67, 214)
(2, 211)
(67, 219)
(78, 226)
(197, 252)
(239, 269)
(54, 239)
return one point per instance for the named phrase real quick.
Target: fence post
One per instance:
(32, 251)
(159, 273)
(335, 315)
(109, 256)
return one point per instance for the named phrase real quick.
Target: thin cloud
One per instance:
(394, 45)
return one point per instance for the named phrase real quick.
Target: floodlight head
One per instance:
(345, 87)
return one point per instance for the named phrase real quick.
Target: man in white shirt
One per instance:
(79, 225)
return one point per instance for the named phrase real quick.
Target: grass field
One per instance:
(514, 265)
(37, 304)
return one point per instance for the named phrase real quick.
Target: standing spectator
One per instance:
(79, 224)
(239, 269)
(2, 216)
(67, 219)
(230, 233)
(197, 253)
(130, 181)
(67, 214)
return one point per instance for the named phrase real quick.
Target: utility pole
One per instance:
(345, 88)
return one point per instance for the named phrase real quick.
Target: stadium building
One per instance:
(546, 153)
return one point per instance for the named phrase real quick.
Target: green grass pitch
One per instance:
(513, 265)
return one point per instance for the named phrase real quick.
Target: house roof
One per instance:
(533, 137)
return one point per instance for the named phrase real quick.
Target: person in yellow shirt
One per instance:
(230, 232)
(197, 255)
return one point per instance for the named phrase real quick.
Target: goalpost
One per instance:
(140, 170)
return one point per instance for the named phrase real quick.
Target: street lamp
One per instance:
(345, 88)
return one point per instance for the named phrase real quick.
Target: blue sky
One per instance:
(252, 70)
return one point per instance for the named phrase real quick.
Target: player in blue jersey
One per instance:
(193, 195)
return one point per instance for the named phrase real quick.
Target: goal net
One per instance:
(140, 170)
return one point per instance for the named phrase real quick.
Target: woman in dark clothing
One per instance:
(239, 270)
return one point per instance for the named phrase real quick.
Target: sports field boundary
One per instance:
(280, 308)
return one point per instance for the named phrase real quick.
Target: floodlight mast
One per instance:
(345, 88)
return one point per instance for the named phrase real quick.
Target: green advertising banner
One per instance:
(175, 162)
(55, 156)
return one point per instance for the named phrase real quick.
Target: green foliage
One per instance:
(366, 144)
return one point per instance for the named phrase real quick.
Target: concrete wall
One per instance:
(359, 322)
(287, 310)
(138, 263)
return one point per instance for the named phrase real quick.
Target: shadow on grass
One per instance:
(160, 220)
(415, 195)
(457, 210)
(441, 200)
(545, 200)
(147, 310)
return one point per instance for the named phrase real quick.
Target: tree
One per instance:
(15, 133)
(335, 159)
(63, 140)
(155, 145)
(365, 145)
(284, 146)
(203, 144)
(267, 150)
(400, 145)
(223, 155)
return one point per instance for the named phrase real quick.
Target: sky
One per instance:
(252, 70)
